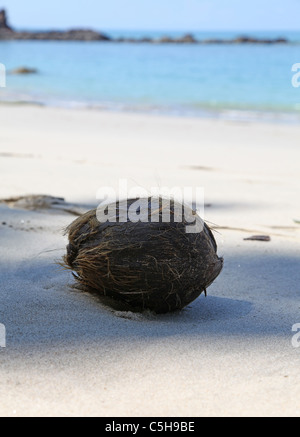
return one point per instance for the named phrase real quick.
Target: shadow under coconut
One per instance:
(208, 309)
(203, 309)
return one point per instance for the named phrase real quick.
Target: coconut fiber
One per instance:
(146, 264)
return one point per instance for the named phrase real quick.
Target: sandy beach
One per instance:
(230, 354)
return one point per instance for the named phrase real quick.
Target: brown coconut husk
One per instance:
(147, 265)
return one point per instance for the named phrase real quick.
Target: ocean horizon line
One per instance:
(152, 30)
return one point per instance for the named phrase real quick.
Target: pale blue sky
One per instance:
(156, 14)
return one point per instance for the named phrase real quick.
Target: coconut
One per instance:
(147, 253)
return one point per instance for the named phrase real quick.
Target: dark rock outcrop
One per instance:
(245, 40)
(70, 35)
(24, 70)
(213, 41)
(145, 39)
(7, 33)
(187, 39)
(165, 40)
(249, 40)
(3, 21)
(281, 41)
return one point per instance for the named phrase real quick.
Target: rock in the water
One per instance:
(165, 40)
(3, 20)
(24, 70)
(7, 33)
(281, 41)
(187, 39)
(249, 40)
(148, 264)
(70, 35)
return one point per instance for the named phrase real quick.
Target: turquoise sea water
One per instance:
(231, 81)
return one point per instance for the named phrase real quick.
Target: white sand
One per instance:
(229, 354)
